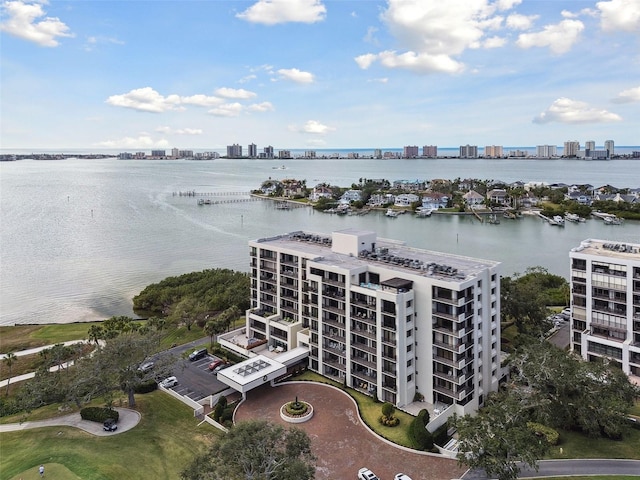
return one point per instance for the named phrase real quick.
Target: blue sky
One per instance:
(140, 75)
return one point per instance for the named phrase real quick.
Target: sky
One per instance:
(133, 75)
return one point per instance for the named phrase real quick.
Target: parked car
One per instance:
(169, 382)
(366, 474)
(222, 366)
(215, 363)
(197, 354)
(146, 366)
(401, 476)
(109, 425)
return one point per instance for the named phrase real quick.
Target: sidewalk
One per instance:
(31, 351)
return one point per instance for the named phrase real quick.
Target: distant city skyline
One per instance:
(317, 74)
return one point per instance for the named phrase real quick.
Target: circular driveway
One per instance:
(340, 441)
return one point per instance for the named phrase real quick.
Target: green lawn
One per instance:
(576, 445)
(158, 448)
(23, 337)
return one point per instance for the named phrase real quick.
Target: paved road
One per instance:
(127, 420)
(558, 468)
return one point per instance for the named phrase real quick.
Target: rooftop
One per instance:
(608, 248)
(394, 255)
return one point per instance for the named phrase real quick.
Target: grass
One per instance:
(577, 445)
(158, 448)
(370, 411)
(24, 337)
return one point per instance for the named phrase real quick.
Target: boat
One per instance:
(572, 217)
(423, 212)
(558, 220)
(281, 167)
(343, 209)
(392, 213)
(283, 206)
(612, 220)
(509, 215)
(493, 220)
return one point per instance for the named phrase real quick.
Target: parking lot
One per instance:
(195, 380)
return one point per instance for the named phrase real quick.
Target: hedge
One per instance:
(98, 414)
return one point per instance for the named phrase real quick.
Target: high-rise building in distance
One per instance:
(571, 148)
(609, 146)
(252, 150)
(546, 151)
(430, 151)
(493, 151)
(234, 151)
(410, 151)
(468, 151)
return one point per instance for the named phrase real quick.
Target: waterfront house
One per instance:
(579, 197)
(434, 200)
(292, 187)
(406, 199)
(320, 191)
(497, 195)
(377, 200)
(473, 198)
(269, 187)
(408, 185)
(351, 196)
(529, 200)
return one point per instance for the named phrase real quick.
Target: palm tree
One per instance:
(10, 358)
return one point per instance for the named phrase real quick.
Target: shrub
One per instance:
(440, 436)
(418, 433)
(98, 414)
(388, 409)
(389, 421)
(550, 435)
(146, 387)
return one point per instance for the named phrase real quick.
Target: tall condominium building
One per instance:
(590, 145)
(268, 152)
(493, 151)
(158, 153)
(605, 302)
(410, 151)
(252, 150)
(391, 321)
(609, 146)
(571, 148)
(175, 153)
(430, 151)
(284, 154)
(546, 151)
(234, 151)
(468, 151)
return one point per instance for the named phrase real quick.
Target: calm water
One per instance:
(79, 238)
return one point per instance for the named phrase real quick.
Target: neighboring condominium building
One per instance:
(605, 303)
(394, 322)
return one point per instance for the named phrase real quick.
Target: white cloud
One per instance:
(296, 75)
(145, 99)
(515, 21)
(239, 93)
(21, 23)
(628, 96)
(370, 36)
(379, 80)
(585, 11)
(420, 63)
(248, 78)
(261, 107)
(494, 42)
(620, 15)
(179, 131)
(227, 110)
(315, 127)
(432, 32)
(142, 141)
(559, 37)
(565, 110)
(272, 12)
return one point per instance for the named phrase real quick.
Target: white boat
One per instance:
(392, 213)
(423, 212)
(573, 217)
(612, 220)
(558, 220)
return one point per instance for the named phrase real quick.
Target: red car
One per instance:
(216, 363)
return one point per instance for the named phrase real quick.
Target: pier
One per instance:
(193, 193)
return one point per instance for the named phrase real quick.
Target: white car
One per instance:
(401, 476)
(366, 474)
(169, 382)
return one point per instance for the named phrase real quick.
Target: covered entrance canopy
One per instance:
(259, 370)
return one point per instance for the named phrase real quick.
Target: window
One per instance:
(409, 347)
(409, 333)
(409, 378)
(409, 303)
(409, 362)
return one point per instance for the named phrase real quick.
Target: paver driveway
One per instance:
(340, 441)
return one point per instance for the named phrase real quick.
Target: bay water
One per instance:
(79, 238)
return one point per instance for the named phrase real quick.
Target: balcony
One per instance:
(363, 347)
(363, 362)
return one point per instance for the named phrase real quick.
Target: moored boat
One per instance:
(392, 213)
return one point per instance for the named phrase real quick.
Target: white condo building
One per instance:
(391, 321)
(609, 146)
(605, 302)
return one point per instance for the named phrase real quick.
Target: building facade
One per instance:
(546, 151)
(571, 148)
(234, 151)
(391, 321)
(410, 151)
(605, 302)
(468, 151)
(252, 150)
(430, 151)
(493, 151)
(609, 146)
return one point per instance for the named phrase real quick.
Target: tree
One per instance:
(212, 328)
(95, 333)
(256, 450)
(9, 359)
(498, 440)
